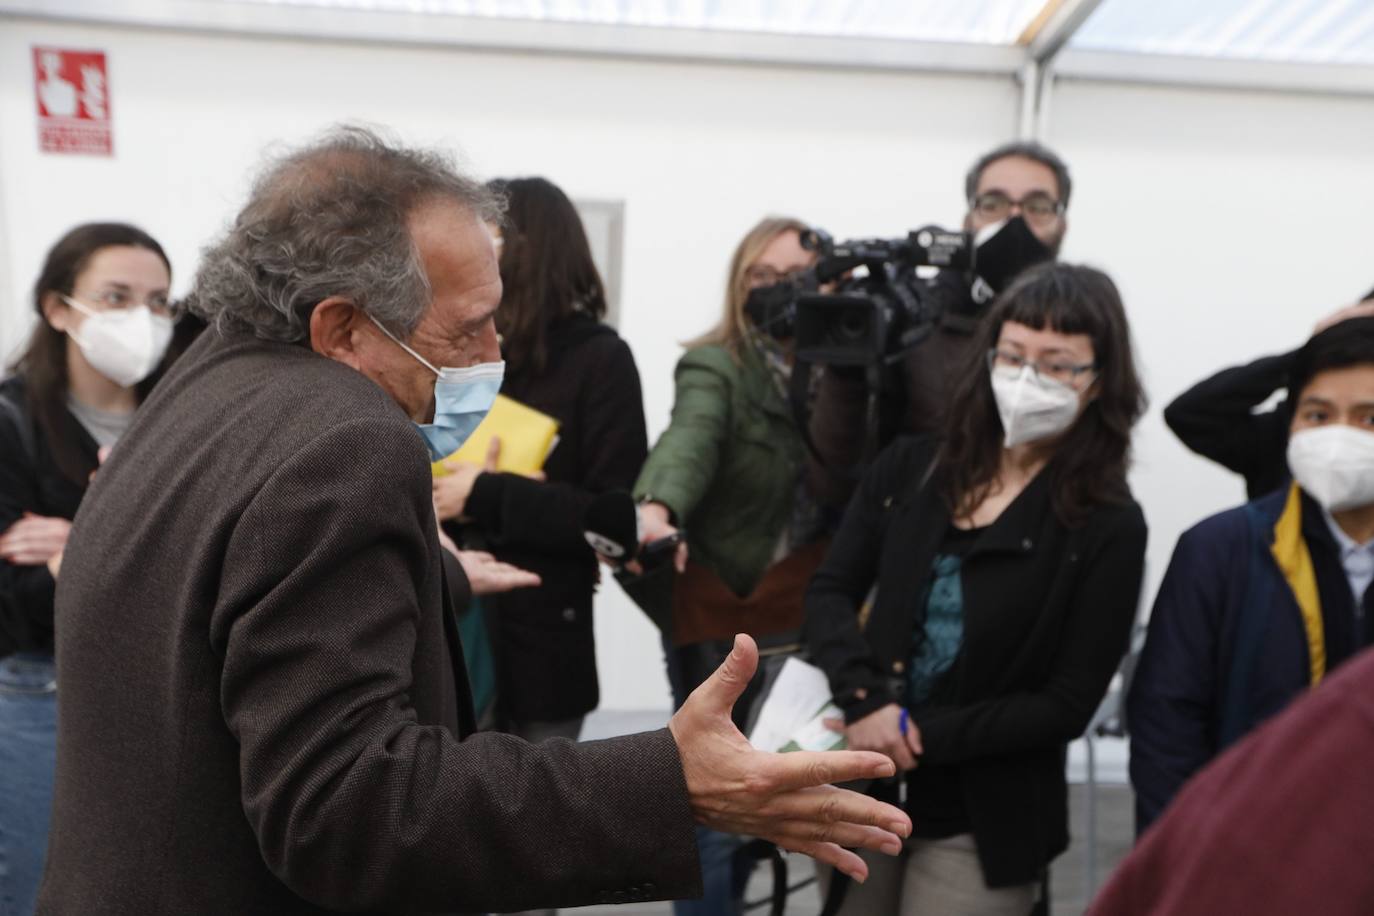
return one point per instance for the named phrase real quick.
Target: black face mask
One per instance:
(1001, 258)
(773, 310)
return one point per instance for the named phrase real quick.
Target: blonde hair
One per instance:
(733, 326)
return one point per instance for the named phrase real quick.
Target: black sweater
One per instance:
(543, 637)
(1047, 614)
(1216, 419)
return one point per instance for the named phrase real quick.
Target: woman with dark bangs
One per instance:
(1007, 556)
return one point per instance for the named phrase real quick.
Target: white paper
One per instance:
(791, 716)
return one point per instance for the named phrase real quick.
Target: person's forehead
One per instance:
(126, 264)
(1344, 385)
(1017, 175)
(1043, 338)
(455, 249)
(786, 249)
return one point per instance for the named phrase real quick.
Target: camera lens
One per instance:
(852, 325)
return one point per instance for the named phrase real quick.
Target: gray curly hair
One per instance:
(330, 219)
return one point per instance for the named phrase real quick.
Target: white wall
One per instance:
(697, 152)
(1232, 221)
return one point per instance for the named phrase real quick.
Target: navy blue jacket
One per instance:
(1230, 642)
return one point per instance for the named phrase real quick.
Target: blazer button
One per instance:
(899, 667)
(1026, 544)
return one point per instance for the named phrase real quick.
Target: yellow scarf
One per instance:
(1295, 562)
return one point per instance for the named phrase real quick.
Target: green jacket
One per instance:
(728, 464)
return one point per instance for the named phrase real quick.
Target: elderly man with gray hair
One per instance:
(263, 705)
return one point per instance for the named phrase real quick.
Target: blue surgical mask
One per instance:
(462, 398)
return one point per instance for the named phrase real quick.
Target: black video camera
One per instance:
(874, 305)
(863, 301)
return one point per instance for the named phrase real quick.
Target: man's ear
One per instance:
(333, 330)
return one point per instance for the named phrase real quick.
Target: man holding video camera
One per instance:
(1017, 196)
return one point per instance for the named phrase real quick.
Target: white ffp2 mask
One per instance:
(1031, 406)
(1334, 464)
(124, 345)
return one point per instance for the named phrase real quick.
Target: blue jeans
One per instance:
(28, 751)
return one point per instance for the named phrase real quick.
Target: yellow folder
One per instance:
(527, 437)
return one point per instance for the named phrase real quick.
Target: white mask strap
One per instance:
(427, 364)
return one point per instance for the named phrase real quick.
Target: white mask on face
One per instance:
(1334, 465)
(124, 345)
(1032, 407)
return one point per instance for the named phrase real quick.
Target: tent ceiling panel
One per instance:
(1285, 31)
(967, 21)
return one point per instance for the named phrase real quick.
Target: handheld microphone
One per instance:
(611, 526)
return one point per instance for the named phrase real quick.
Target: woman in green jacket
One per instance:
(729, 470)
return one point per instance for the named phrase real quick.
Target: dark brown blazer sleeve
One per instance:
(355, 805)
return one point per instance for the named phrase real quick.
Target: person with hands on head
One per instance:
(103, 332)
(262, 547)
(1006, 555)
(1261, 602)
(1219, 417)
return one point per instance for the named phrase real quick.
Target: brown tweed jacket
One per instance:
(261, 690)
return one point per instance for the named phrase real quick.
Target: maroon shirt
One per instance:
(1281, 823)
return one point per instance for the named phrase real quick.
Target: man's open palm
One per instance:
(786, 799)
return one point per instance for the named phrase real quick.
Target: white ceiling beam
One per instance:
(533, 36)
(1215, 73)
(1056, 24)
(1031, 77)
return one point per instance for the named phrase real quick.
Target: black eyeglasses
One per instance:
(763, 275)
(1037, 206)
(1061, 371)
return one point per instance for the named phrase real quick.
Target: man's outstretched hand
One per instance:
(786, 799)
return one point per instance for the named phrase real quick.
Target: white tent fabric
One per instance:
(1306, 31)
(972, 21)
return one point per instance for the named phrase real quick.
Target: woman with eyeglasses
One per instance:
(1007, 555)
(729, 471)
(104, 329)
